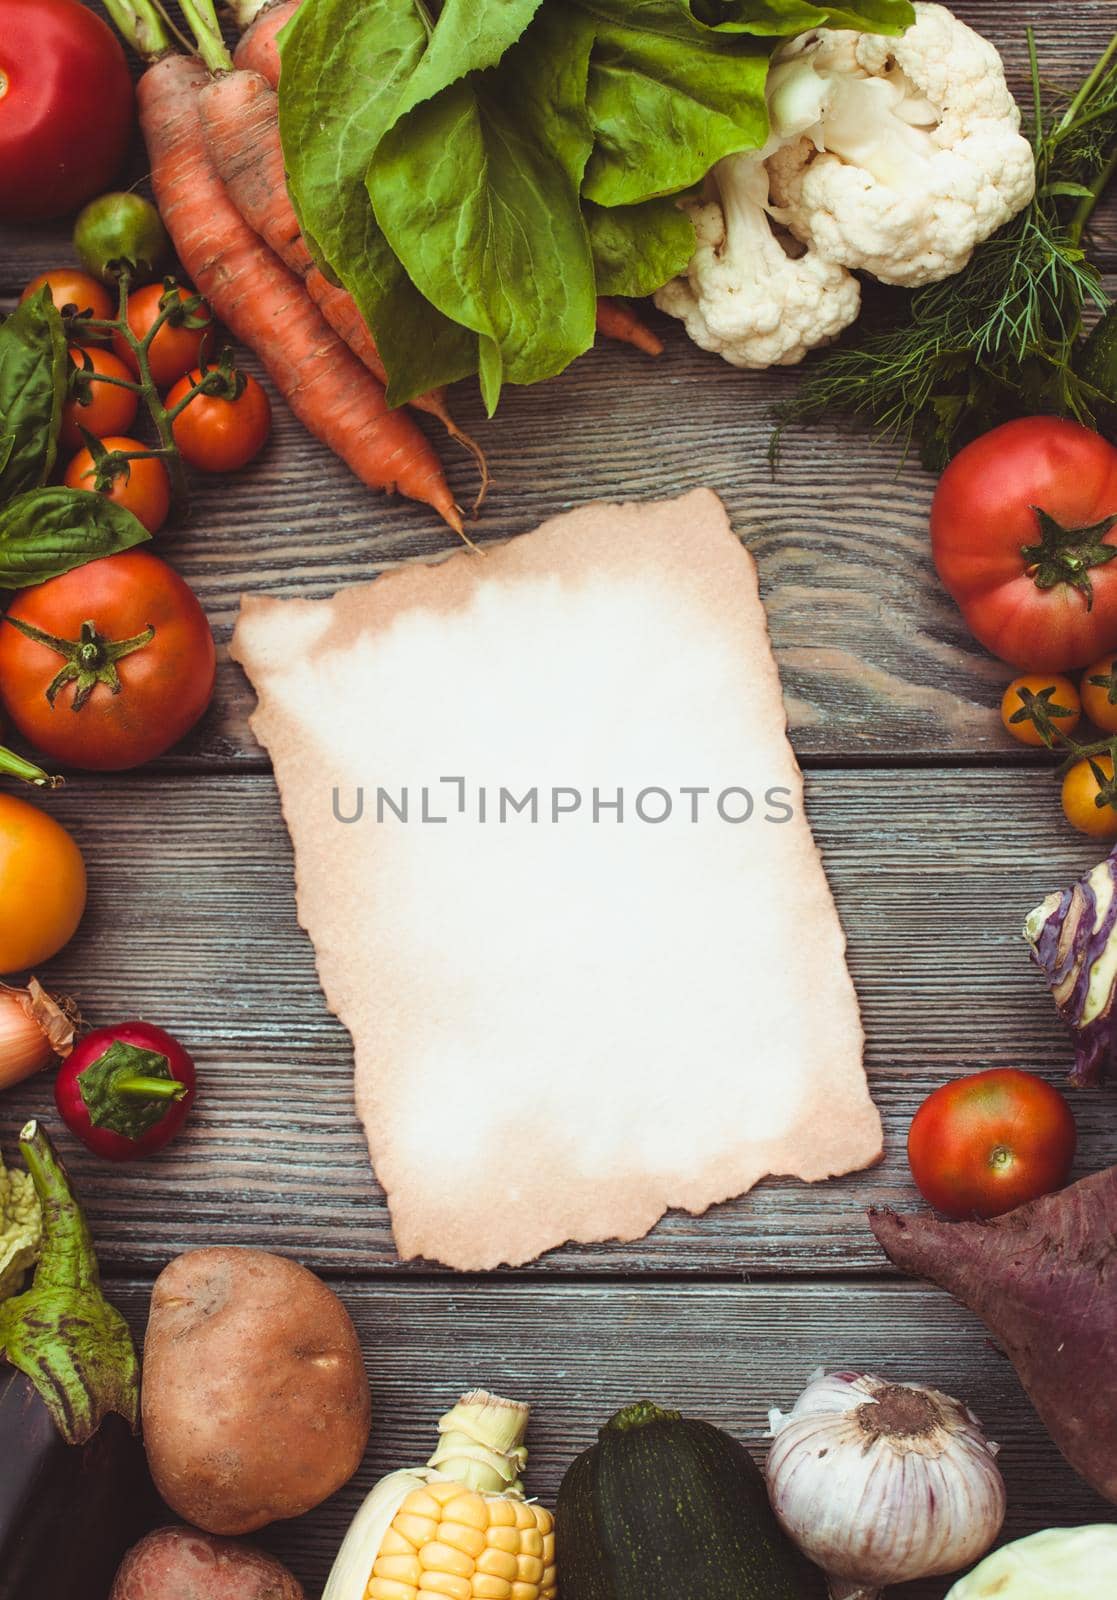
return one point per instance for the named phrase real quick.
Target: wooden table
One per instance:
(938, 836)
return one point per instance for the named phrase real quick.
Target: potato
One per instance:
(183, 1564)
(255, 1400)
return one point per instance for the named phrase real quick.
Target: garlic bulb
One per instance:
(882, 1482)
(33, 1030)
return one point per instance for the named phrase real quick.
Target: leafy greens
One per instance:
(477, 173)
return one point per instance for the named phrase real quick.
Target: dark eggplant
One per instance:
(74, 1488)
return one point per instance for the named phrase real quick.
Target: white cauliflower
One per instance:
(745, 296)
(900, 155)
(21, 1229)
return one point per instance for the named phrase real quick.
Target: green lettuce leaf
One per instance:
(470, 37)
(345, 71)
(34, 369)
(636, 249)
(477, 191)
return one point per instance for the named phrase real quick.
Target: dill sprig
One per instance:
(999, 339)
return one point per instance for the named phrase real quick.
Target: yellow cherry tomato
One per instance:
(1052, 695)
(42, 885)
(1099, 700)
(1080, 792)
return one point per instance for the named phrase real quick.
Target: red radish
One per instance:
(126, 1091)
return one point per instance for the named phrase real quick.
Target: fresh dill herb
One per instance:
(999, 339)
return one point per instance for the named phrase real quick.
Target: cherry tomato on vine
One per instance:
(1080, 796)
(101, 408)
(1051, 700)
(121, 230)
(176, 348)
(143, 487)
(69, 287)
(218, 434)
(126, 620)
(42, 885)
(985, 1144)
(66, 107)
(1099, 699)
(1023, 533)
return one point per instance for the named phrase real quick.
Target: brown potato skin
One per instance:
(183, 1564)
(255, 1401)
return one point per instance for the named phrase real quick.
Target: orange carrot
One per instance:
(266, 306)
(240, 113)
(257, 50)
(618, 321)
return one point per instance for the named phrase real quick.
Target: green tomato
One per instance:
(118, 229)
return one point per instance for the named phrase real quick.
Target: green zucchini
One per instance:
(666, 1508)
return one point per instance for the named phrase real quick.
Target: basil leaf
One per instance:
(47, 532)
(636, 249)
(477, 192)
(345, 69)
(34, 370)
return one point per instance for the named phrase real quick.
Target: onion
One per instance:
(34, 1029)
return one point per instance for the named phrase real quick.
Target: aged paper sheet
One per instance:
(552, 853)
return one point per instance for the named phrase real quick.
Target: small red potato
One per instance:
(183, 1564)
(255, 1400)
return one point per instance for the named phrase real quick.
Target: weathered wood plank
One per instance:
(726, 1353)
(192, 923)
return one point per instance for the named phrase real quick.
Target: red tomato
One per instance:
(1037, 590)
(69, 287)
(175, 349)
(100, 408)
(988, 1143)
(165, 675)
(66, 107)
(215, 434)
(144, 490)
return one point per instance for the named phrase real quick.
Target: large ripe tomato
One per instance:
(1023, 530)
(218, 434)
(144, 488)
(42, 885)
(66, 107)
(985, 1144)
(127, 620)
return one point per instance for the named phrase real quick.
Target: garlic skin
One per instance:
(882, 1483)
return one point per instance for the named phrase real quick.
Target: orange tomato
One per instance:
(1096, 701)
(1056, 696)
(69, 287)
(103, 408)
(219, 435)
(42, 885)
(175, 349)
(145, 490)
(1080, 793)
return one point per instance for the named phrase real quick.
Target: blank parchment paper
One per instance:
(551, 849)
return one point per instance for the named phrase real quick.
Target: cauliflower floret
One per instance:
(909, 151)
(21, 1228)
(744, 296)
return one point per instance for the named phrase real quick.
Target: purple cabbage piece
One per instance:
(1070, 934)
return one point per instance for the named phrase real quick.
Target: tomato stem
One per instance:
(88, 660)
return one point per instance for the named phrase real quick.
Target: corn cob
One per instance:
(459, 1528)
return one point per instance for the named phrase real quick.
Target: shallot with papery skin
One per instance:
(34, 1029)
(882, 1483)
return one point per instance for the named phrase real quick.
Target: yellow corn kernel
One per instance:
(502, 1513)
(486, 1587)
(531, 1542)
(504, 1539)
(444, 1492)
(469, 1508)
(529, 1569)
(525, 1591)
(446, 1583)
(548, 1549)
(389, 1589)
(525, 1515)
(549, 1579)
(544, 1520)
(439, 1557)
(471, 1541)
(497, 1564)
(405, 1569)
(395, 1544)
(417, 1530)
(420, 1503)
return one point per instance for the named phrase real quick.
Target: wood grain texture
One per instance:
(875, 659)
(192, 924)
(726, 1353)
